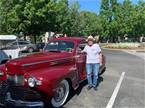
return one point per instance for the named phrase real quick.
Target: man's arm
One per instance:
(100, 55)
(100, 58)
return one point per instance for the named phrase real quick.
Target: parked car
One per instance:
(48, 76)
(22, 45)
(6, 39)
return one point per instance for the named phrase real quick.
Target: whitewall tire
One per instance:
(61, 94)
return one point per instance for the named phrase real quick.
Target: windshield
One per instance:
(59, 46)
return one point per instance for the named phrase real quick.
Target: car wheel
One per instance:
(30, 50)
(61, 94)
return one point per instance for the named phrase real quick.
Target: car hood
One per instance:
(35, 61)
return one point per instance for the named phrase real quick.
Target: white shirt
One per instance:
(92, 53)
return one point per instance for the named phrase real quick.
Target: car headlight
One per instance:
(1, 73)
(32, 82)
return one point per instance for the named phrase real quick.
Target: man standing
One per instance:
(93, 62)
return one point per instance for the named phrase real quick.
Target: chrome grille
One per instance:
(3, 90)
(16, 80)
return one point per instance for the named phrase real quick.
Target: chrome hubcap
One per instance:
(60, 93)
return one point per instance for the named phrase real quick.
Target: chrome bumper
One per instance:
(10, 98)
(11, 103)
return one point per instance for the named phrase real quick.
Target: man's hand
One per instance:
(82, 51)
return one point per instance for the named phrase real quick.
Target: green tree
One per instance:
(90, 23)
(74, 19)
(62, 17)
(105, 17)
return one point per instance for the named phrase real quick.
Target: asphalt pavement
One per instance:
(129, 93)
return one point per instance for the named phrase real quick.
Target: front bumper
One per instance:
(11, 103)
(16, 97)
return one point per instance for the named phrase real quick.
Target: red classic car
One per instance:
(45, 76)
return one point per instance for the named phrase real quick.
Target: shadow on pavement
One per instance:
(78, 91)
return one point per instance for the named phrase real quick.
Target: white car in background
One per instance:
(14, 47)
(4, 41)
(22, 45)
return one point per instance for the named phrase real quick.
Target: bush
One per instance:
(122, 45)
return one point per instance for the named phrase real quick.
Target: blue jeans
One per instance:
(92, 69)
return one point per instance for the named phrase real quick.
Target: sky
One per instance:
(94, 5)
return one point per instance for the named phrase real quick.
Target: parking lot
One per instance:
(130, 93)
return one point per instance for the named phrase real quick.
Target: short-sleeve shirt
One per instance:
(92, 53)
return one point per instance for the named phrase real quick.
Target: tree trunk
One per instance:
(35, 39)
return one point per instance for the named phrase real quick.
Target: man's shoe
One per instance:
(95, 88)
(89, 87)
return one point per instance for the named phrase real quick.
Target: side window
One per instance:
(81, 47)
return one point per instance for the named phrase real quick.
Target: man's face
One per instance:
(90, 43)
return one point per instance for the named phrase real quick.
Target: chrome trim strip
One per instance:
(1, 104)
(45, 61)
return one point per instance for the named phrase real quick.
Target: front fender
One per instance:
(52, 76)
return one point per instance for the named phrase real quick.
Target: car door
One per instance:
(81, 62)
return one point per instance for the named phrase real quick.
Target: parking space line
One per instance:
(116, 90)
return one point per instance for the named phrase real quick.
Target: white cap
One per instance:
(90, 38)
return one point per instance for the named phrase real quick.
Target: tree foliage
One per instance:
(122, 19)
(35, 17)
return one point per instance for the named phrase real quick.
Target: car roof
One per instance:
(8, 37)
(74, 39)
